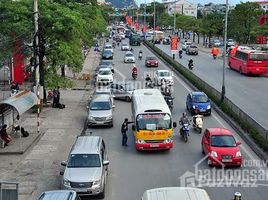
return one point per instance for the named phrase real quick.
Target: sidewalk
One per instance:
(29, 119)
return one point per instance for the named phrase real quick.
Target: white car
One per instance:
(105, 76)
(185, 45)
(122, 35)
(110, 47)
(163, 74)
(129, 57)
(125, 47)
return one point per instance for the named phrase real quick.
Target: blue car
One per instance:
(198, 103)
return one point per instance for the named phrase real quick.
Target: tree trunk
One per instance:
(193, 36)
(198, 38)
(63, 71)
(204, 40)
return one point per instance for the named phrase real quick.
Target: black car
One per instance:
(166, 41)
(157, 41)
(107, 54)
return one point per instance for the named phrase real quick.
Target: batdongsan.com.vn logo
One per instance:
(253, 173)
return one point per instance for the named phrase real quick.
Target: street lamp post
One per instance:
(154, 14)
(174, 20)
(224, 53)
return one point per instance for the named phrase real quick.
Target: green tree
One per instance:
(243, 21)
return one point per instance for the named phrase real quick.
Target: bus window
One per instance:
(258, 57)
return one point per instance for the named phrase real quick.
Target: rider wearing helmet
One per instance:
(184, 119)
(148, 78)
(134, 69)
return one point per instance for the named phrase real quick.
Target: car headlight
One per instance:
(214, 154)
(96, 183)
(140, 141)
(110, 79)
(208, 107)
(109, 117)
(238, 154)
(90, 118)
(194, 106)
(66, 183)
(168, 140)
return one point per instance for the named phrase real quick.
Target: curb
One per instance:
(250, 142)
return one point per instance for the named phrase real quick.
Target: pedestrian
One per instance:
(16, 123)
(56, 98)
(4, 136)
(124, 129)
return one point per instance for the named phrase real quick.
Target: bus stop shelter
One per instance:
(16, 105)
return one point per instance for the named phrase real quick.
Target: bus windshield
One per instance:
(154, 121)
(258, 56)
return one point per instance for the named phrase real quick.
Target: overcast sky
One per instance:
(232, 2)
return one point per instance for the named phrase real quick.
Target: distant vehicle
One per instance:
(59, 195)
(125, 47)
(127, 33)
(215, 43)
(104, 76)
(191, 50)
(107, 54)
(198, 103)
(104, 91)
(86, 169)
(103, 67)
(175, 193)
(185, 45)
(100, 111)
(158, 36)
(221, 147)
(163, 74)
(151, 61)
(230, 42)
(135, 39)
(129, 57)
(248, 61)
(108, 63)
(122, 91)
(166, 40)
(122, 35)
(150, 36)
(109, 46)
(153, 127)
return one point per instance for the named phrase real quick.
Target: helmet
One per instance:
(184, 114)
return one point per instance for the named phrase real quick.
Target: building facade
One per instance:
(183, 7)
(263, 4)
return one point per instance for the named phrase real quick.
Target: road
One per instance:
(130, 172)
(248, 92)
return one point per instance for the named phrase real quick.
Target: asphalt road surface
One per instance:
(132, 172)
(248, 92)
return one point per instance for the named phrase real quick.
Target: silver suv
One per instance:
(100, 111)
(87, 167)
(59, 195)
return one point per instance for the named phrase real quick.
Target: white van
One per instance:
(175, 193)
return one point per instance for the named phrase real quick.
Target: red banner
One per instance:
(137, 26)
(144, 28)
(174, 43)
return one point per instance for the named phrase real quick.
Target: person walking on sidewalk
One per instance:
(4, 136)
(124, 129)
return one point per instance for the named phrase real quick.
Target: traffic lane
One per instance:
(141, 171)
(252, 97)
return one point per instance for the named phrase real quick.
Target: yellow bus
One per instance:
(153, 127)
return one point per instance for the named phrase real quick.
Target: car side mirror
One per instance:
(174, 124)
(63, 163)
(238, 143)
(61, 173)
(133, 127)
(87, 107)
(106, 162)
(113, 106)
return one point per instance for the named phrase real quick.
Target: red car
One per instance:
(221, 147)
(151, 61)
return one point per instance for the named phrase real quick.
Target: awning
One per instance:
(22, 101)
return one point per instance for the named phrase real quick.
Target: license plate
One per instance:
(202, 110)
(154, 145)
(258, 69)
(226, 160)
(99, 122)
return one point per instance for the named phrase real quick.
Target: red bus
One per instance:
(248, 61)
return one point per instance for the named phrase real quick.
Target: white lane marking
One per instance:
(216, 118)
(120, 74)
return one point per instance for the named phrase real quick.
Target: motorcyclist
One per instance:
(184, 119)
(134, 70)
(180, 53)
(148, 78)
(113, 44)
(215, 52)
(190, 64)
(140, 54)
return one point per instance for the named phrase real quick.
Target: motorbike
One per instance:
(169, 101)
(149, 84)
(134, 75)
(140, 56)
(184, 131)
(190, 65)
(214, 56)
(198, 123)
(180, 54)
(13, 92)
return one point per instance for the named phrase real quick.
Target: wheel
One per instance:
(128, 99)
(240, 70)
(192, 112)
(185, 139)
(102, 194)
(200, 130)
(112, 125)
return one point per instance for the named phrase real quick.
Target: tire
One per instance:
(102, 194)
(128, 99)
(185, 139)
(240, 70)
(192, 112)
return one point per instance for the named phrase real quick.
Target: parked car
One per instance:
(198, 103)
(129, 57)
(163, 74)
(166, 40)
(185, 45)
(100, 111)
(221, 147)
(122, 91)
(191, 50)
(59, 195)
(86, 169)
(151, 61)
(109, 47)
(125, 47)
(157, 41)
(230, 42)
(107, 54)
(104, 76)
(109, 63)
(104, 91)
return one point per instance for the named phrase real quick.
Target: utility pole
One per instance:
(144, 14)
(224, 53)
(36, 59)
(154, 14)
(174, 20)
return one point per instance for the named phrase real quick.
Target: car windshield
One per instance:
(216, 41)
(106, 51)
(84, 160)
(223, 141)
(129, 55)
(108, 47)
(153, 121)
(129, 87)
(188, 43)
(258, 56)
(193, 47)
(200, 98)
(105, 72)
(106, 62)
(124, 45)
(150, 58)
(164, 74)
(100, 105)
